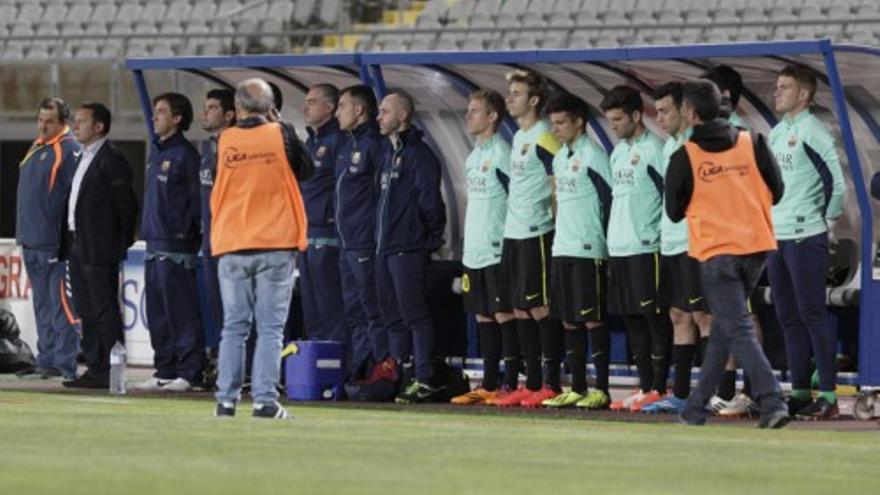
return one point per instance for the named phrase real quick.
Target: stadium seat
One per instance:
(605, 41)
(204, 10)
(178, 10)
(421, 43)
(329, 12)
(472, 43)
(481, 20)
(587, 19)
(104, 11)
(12, 51)
(129, 12)
(303, 12)
(153, 12)
(111, 51)
(145, 27)
(560, 19)
(87, 50)
(555, 39)
(8, 12)
(446, 44)
(120, 27)
(458, 14)
(79, 12)
(580, 40)
(29, 12)
(839, 12)
(39, 51)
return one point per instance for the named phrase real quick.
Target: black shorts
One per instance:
(481, 292)
(633, 284)
(680, 285)
(525, 266)
(577, 289)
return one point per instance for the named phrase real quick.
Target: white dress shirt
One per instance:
(88, 154)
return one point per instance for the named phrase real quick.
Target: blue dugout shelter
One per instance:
(848, 101)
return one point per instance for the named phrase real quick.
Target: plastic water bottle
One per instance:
(117, 369)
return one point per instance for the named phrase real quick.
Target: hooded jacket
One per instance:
(714, 136)
(411, 214)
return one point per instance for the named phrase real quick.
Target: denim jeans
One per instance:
(727, 282)
(254, 286)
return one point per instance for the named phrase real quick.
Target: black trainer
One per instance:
(775, 420)
(88, 380)
(795, 405)
(32, 373)
(819, 410)
(224, 410)
(418, 392)
(270, 411)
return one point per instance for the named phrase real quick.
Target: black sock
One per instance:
(530, 343)
(600, 347)
(490, 348)
(683, 358)
(747, 386)
(510, 350)
(701, 350)
(551, 344)
(576, 356)
(640, 346)
(727, 387)
(661, 339)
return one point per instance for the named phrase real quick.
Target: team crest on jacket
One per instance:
(792, 140)
(486, 166)
(321, 152)
(635, 159)
(398, 161)
(575, 165)
(166, 165)
(356, 157)
(524, 149)
(43, 155)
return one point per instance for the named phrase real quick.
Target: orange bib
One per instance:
(256, 202)
(729, 211)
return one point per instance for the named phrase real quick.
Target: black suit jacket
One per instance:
(106, 211)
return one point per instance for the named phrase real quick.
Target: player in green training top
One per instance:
(813, 200)
(634, 243)
(583, 205)
(680, 288)
(487, 169)
(528, 236)
(730, 83)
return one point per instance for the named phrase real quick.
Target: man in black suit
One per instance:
(98, 228)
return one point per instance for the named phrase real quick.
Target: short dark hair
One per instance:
(277, 96)
(704, 97)
(727, 79)
(365, 97)
(408, 102)
(57, 104)
(536, 83)
(330, 91)
(804, 77)
(494, 103)
(100, 113)
(671, 89)
(225, 96)
(624, 97)
(180, 105)
(570, 104)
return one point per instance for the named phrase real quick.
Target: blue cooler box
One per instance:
(315, 372)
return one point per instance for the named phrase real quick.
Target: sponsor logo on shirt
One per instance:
(524, 149)
(709, 171)
(792, 141)
(166, 165)
(635, 159)
(321, 152)
(356, 157)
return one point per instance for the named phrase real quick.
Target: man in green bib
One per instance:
(487, 169)
(528, 237)
(813, 200)
(634, 243)
(583, 205)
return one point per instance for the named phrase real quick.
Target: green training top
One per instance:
(737, 121)
(814, 186)
(637, 185)
(531, 163)
(673, 235)
(583, 199)
(487, 169)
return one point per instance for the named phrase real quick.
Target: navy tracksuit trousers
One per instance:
(401, 281)
(174, 320)
(798, 273)
(368, 336)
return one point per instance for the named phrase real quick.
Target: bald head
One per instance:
(253, 97)
(396, 113)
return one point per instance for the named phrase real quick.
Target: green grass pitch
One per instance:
(77, 444)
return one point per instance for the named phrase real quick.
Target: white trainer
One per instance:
(151, 385)
(741, 405)
(178, 385)
(716, 404)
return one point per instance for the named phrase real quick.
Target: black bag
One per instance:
(15, 354)
(452, 379)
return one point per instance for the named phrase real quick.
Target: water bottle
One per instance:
(117, 369)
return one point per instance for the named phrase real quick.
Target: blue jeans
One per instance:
(727, 282)
(254, 286)
(57, 337)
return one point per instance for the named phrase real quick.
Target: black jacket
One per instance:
(106, 210)
(713, 137)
